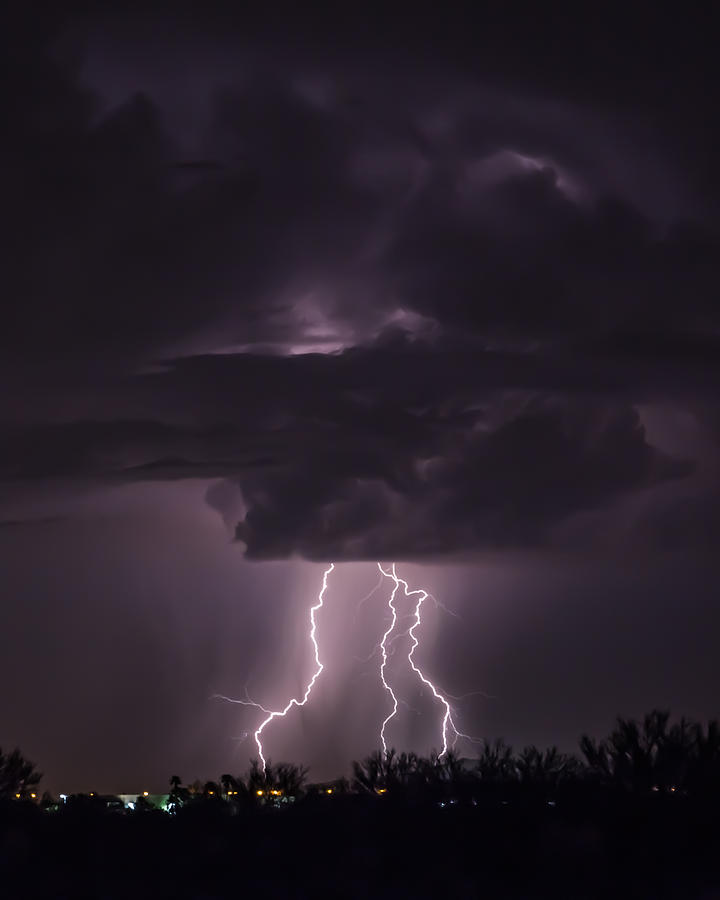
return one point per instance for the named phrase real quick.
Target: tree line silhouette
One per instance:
(637, 758)
(636, 814)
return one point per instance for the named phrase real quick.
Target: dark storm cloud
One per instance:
(689, 523)
(122, 449)
(504, 273)
(344, 455)
(522, 259)
(506, 488)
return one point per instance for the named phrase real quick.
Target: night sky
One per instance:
(280, 290)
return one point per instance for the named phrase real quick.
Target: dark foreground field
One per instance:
(352, 846)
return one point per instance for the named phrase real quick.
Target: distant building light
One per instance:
(145, 794)
(63, 797)
(259, 792)
(35, 795)
(329, 791)
(17, 796)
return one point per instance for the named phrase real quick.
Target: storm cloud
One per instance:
(373, 300)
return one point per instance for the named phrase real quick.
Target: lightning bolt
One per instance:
(246, 702)
(447, 721)
(383, 650)
(281, 713)
(450, 733)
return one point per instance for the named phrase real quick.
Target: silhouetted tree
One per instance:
(211, 791)
(546, 769)
(400, 775)
(651, 756)
(276, 782)
(178, 796)
(143, 806)
(226, 782)
(704, 771)
(257, 781)
(447, 778)
(18, 775)
(375, 773)
(234, 790)
(289, 778)
(496, 764)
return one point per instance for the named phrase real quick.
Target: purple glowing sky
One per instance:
(284, 293)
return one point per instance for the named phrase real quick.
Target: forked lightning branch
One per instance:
(448, 730)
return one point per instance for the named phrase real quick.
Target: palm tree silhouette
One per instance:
(648, 756)
(496, 763)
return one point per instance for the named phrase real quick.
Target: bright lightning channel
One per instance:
(383, 650)
(279, 714)
(447, 722)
